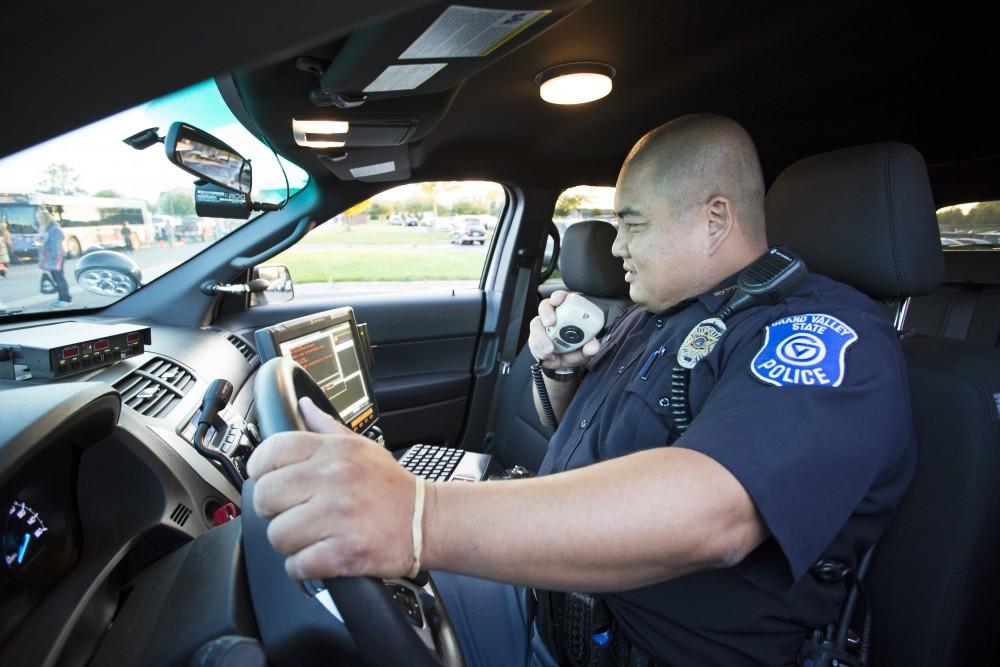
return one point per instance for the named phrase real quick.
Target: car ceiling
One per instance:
(802, 77)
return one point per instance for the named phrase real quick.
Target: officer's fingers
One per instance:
(282, 489)
(279, 450)
(298, 527)
(547, 312)
(318, 421)
(547, 308)
(538, 341)
(591, 348)
(325, 559)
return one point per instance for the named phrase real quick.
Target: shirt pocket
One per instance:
(647, 408)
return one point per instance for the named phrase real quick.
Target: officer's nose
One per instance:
(619, 248)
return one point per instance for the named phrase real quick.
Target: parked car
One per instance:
(469, 230)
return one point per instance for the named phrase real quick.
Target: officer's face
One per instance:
(658, 241)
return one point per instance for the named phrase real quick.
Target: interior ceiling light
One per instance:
(575, 83)
(320, 133)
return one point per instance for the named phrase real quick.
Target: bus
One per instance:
(89, 223)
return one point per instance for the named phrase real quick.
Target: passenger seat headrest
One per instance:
(864, 216)
(586, 262)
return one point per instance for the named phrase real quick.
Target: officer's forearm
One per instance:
(560, 394)
(615, 525)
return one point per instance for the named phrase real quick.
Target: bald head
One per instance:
(696, 157)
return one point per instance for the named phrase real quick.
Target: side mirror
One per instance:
(108, 273)
(279, 285)
(206, 157)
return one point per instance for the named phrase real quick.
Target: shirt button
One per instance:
(621, 369)
(659, 323)
(583, 423)
(664, 402)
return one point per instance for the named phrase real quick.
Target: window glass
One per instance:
(131, 206)
(975, 225)
(412, 238)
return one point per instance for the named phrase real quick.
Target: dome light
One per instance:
(575, 83)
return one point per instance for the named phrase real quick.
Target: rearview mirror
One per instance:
(279, 285)
(206, 157)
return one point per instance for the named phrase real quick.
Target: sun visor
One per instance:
(432, 49)
(371, 165)
(386, 133)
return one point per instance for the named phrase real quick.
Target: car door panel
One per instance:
(424, 345)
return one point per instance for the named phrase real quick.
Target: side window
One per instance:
(581, 202)
(970, 226)
(412, 238)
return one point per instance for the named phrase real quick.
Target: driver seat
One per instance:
(865, 216)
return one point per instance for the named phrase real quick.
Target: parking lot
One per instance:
(333, 259)
(20, 289)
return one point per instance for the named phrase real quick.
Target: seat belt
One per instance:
(525, 261)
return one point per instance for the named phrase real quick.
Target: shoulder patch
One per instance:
(804, 350)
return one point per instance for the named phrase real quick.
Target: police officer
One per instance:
(800, 447)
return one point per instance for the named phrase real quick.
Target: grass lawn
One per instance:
(375, 233)
(373, 264)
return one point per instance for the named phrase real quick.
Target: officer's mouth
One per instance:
(629, 275)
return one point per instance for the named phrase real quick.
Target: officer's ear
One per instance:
(719, 221)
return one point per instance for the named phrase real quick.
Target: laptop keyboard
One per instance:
(431, 462)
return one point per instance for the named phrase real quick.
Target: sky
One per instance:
(96, 151)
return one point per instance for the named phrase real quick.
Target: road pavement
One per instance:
(20, 289)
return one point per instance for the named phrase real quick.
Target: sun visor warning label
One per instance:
(471, 32)
(403, 77)
(373, 169)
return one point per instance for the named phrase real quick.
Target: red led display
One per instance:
(70, 352)
(101, 345)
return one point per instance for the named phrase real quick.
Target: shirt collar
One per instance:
(712, 299)
(716, 297)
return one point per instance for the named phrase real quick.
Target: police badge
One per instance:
(700, 341)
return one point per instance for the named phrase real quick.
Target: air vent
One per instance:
(180, 514)
(245, 348)
(156, 388)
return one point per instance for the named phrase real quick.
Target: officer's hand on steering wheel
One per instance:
(541, 345)
(340, 505)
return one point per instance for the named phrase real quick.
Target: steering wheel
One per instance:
(381, 632)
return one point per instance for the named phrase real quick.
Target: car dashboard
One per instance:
(100, 481)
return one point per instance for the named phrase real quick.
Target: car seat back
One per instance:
(865, 216)
(587, 267)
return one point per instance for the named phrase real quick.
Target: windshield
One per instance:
(122, 217)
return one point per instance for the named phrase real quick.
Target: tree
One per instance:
(468, 207)
(377, 210)
(415, 205)
(567, 204)
(60, 179)
(176, 202)
(113, 194)
(434, 189)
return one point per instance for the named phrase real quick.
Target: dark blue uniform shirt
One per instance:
(806, 403)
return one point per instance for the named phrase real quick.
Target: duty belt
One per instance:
(580, 631)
